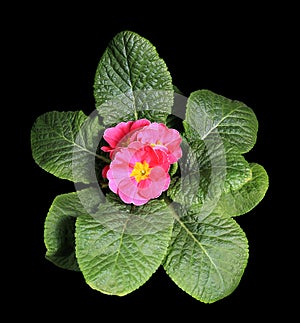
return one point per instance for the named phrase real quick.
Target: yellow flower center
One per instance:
(140, 171)
(158, 142)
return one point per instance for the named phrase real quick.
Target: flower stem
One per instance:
(107, 160)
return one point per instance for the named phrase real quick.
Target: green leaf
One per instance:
(211, 115)
(132, 81)
(173, 169)
(216, 132)
(238, 170)
(120, 247)
(241, 201)
(59, 233)
(207, 169)
(176, 90)
(207, 254)
(64, 144)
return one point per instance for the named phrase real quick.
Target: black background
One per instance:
(236, 52)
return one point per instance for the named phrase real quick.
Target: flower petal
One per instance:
(163, 138)
(104, 171)
(159, 180)
(122, 134)
(129, 192)
(115, 134)
(139, 124)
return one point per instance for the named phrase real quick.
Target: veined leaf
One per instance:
(216, 131)
(241, 201)
(132, 81)
(207, 169)
(59, 233)
(212, 115)
(207, 255)
(64, 144)
(118, 249)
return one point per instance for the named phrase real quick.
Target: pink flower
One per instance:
(159, 136)
(141, 154)
(121, 135)
(139, 173)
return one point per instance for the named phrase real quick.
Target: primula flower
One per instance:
(139, 173)
(121, 135)
(141, 154)
(159, 136)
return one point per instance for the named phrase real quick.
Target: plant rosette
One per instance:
(159, 178)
